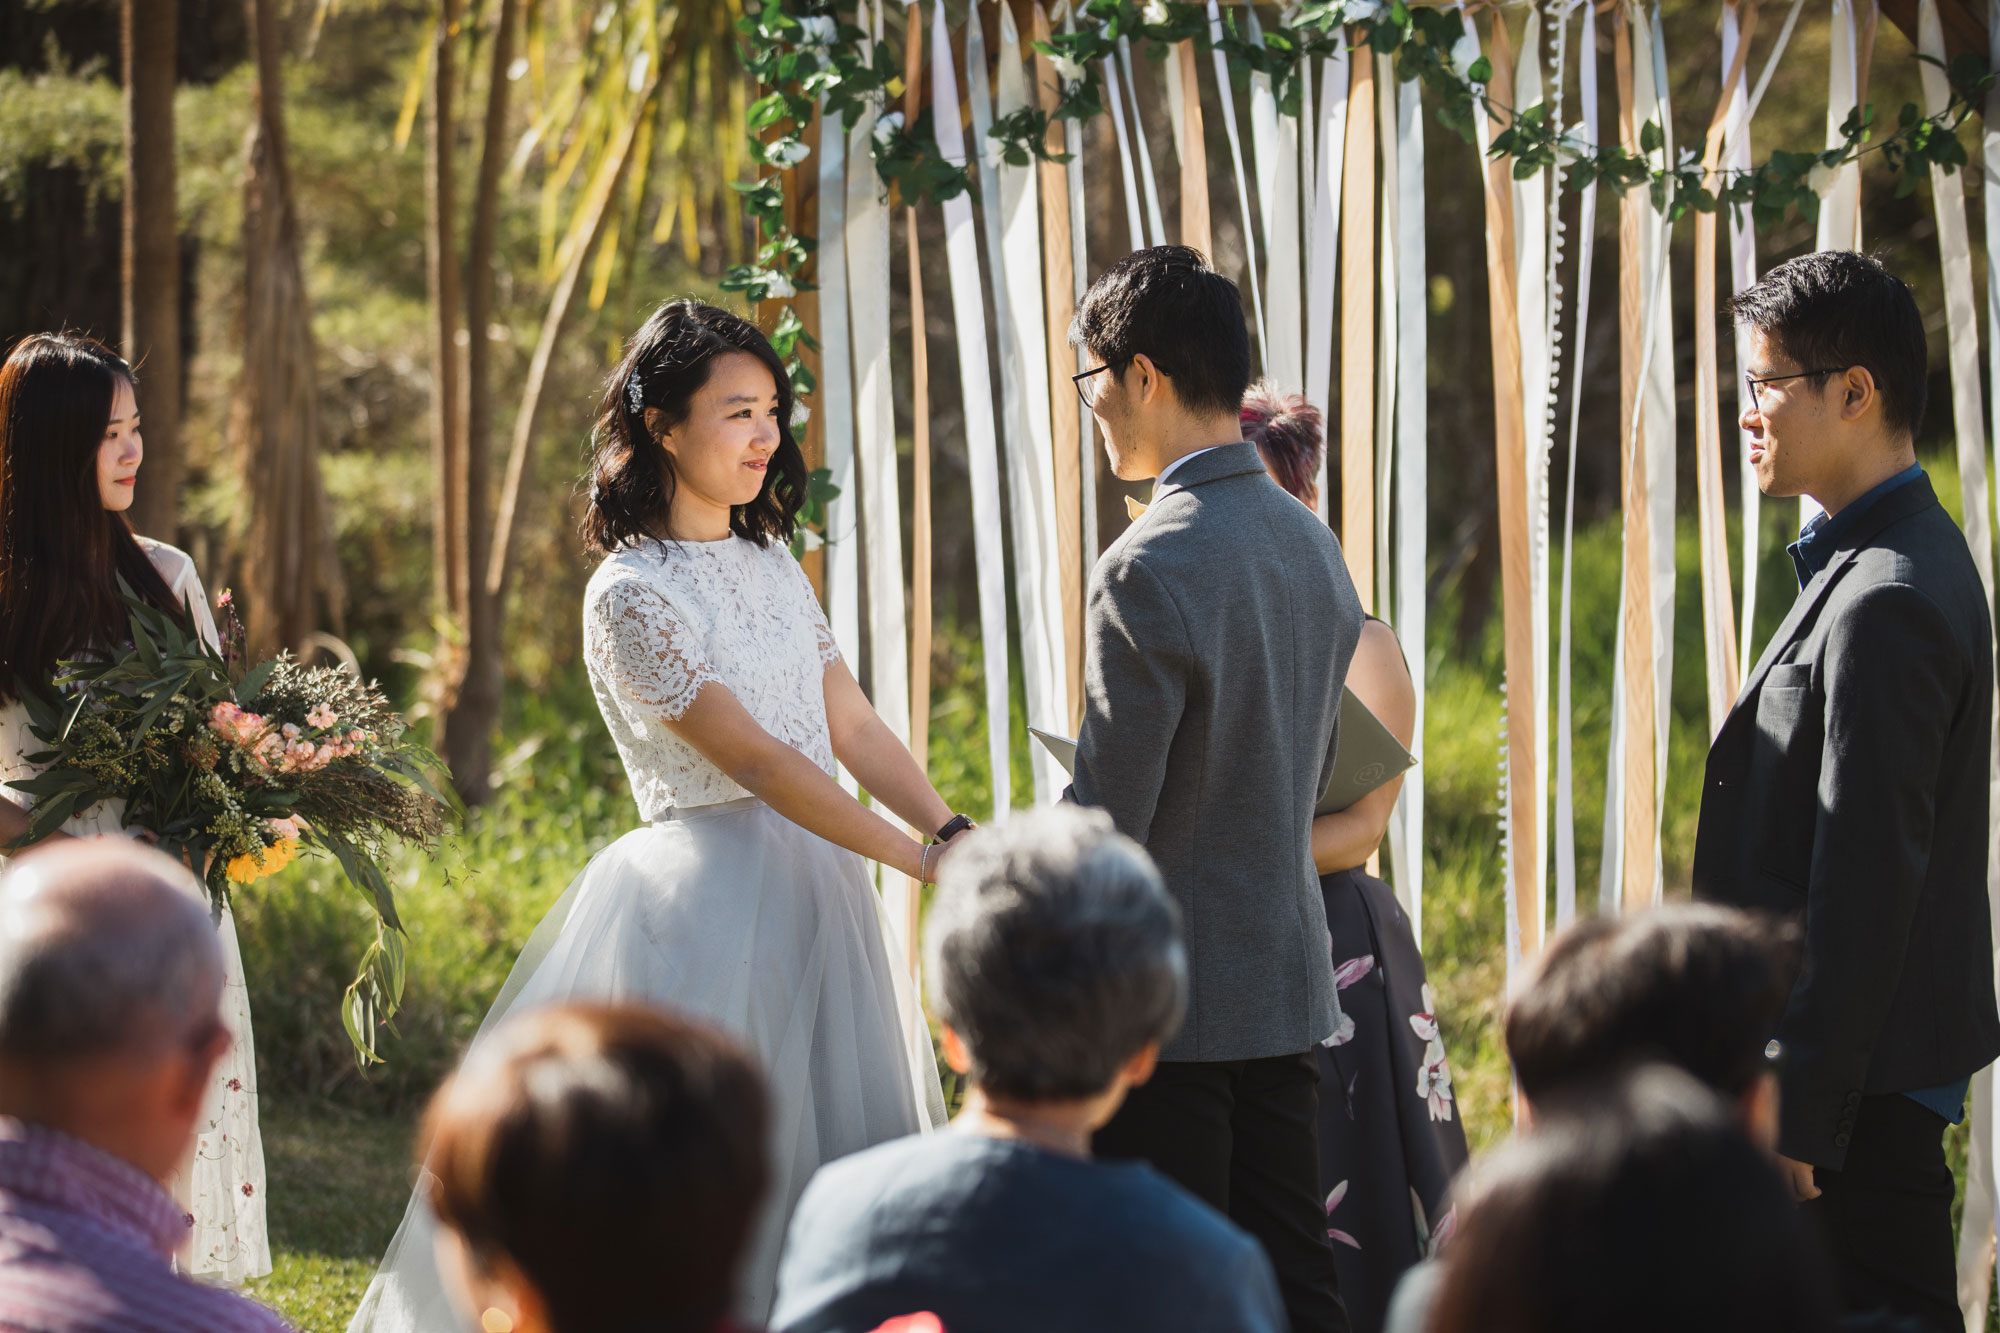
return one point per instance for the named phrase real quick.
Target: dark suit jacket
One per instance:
(1217, 636)
(1849, 787)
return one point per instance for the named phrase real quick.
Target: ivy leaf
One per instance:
(1650, 138)
(1481, 70)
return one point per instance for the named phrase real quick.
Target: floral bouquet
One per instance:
(236, 771)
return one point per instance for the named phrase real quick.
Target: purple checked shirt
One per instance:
(86, 1246)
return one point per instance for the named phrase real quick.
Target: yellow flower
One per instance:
(253, 866)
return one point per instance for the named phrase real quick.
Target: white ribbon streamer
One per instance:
(881, 502)
(1386, 341)
(1030, 466)
(1742, 273)
(1565, 809)
(1412, 477)
(982, 448)
(1840, 196)
(1323, 242)
(1115, 99)
(1275, 142)
(1156, 223)
(1228, 95)
(836, 405)
(1657, 391)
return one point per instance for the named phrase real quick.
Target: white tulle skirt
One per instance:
(733, 914)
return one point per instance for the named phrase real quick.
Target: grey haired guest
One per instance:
(1057, 969)
(110, 1027)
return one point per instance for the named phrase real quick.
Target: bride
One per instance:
(70, 450)
(744, 899)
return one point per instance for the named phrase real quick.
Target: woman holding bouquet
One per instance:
(70, 453)
(744, 900)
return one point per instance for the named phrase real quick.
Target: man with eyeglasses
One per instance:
(1849, 786)
(1217, 636)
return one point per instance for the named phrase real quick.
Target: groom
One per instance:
(1219, 629)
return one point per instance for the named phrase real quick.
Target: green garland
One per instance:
(803, 52)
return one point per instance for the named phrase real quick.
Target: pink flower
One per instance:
(290, 730)
(1333, 1199)
(248, 1190)
(924, 1322)
(321, 718)
(225, 598)
(236, 1085)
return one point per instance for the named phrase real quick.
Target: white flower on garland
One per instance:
(1464, 54)
(886, 130)
(817, 30)
(1068, 70)
(787, 153)
(778, 287)
(1821, 178)
(1360, 11)
(1156, 13)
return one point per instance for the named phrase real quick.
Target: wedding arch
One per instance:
(978, 111)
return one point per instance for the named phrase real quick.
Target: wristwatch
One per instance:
(954, 826)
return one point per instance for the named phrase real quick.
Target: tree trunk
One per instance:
(152, 261)
(441, 244)
(290, 570)
(469, 725)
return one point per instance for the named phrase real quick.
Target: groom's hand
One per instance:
(1798, 1178)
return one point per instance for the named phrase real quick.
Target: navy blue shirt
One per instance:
(1819, 539)
(999, 1236)
(1817, 542)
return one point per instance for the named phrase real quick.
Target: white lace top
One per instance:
(663, 619)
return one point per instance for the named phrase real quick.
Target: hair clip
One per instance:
(634, 394)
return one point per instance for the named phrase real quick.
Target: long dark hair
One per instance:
(632, 476)
(61, 551)
(1288, 432)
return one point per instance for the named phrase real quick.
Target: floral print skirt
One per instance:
(1390, 1139)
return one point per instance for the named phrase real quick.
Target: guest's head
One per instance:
(1055, 962)
(1636, 1205)
(110, 999)
(597, 1168)
(1839, 345)
(1290, 436)
(1168, 331)
(1696, 986)
(70, 450)
(697, 414)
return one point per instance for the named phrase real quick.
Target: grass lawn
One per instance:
(338, 1181)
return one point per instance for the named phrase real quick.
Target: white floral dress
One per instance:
(718, 907)
(221, 1187)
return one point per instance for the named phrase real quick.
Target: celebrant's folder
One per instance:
(1369, 755)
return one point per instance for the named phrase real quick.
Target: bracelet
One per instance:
(924, 864)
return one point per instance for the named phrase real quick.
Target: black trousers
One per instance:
(1886, 1215)
(1243, 1135)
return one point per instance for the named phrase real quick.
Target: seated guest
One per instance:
(1637, 1205)
(1056, 969)
(597, 1167)
(1390, 1139)
(1693, 986)
(110, 1026)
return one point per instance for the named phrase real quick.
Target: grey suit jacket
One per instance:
(1217, 636)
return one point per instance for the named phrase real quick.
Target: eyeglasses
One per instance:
(1758, 398)
(1085, 390)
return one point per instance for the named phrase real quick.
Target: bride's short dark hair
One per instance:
(664, 366)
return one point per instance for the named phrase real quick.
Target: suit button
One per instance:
(1840, 1140)
(1853, 1099)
